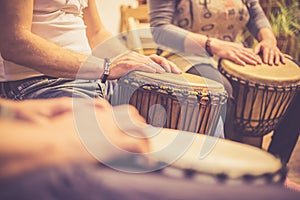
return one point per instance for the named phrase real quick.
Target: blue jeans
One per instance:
(45, 87)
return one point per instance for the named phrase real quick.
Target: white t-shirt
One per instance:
(59, 21)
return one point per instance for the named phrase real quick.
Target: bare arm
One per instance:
(19, 45)
(96, 32)
(34, 52)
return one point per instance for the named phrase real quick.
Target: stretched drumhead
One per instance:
(182, 81)
(214, 156)
(283, 74)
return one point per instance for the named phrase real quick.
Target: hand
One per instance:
(27, 146)
(37, 111)
(270, 52)
(53, 112)
(105, 132)
(135, 61)
(123, 126)
(234, 52)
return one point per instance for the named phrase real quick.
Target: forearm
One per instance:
(267, 35)
(164, 32)
(48, 58)
(99, 37)
(258, 19)
(110, 47)
(167, 34)
(101, 41)
(170, 36)
(19, 45)
(180, 40)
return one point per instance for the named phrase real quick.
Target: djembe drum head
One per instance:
(209, 158)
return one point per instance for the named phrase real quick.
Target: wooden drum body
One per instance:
(185, 102)
(263, 94)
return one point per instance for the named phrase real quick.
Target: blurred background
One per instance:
(283, 15)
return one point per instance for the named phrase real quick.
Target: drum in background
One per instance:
(205, 158)
(178, 101)
(263, 94)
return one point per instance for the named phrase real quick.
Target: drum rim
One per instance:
(272, 87)
(186, 88)
(269, 86)
(270, 176)
(277, 177)
(220, 97)
(168, 88)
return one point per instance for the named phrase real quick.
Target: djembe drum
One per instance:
(185, 102)
(263, 94)
(210, 159)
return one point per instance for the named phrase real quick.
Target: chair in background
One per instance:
(135, 29)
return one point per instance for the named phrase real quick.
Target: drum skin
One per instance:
(263, 94)
(179, 101)
(282, 75)
(211, 156)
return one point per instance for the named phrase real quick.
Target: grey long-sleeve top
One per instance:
(169, 31)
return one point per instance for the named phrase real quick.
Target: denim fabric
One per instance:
(47, 87)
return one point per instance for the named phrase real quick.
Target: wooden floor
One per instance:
(294, 163)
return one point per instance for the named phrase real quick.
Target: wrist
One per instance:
(208, 47)
(265, 34)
